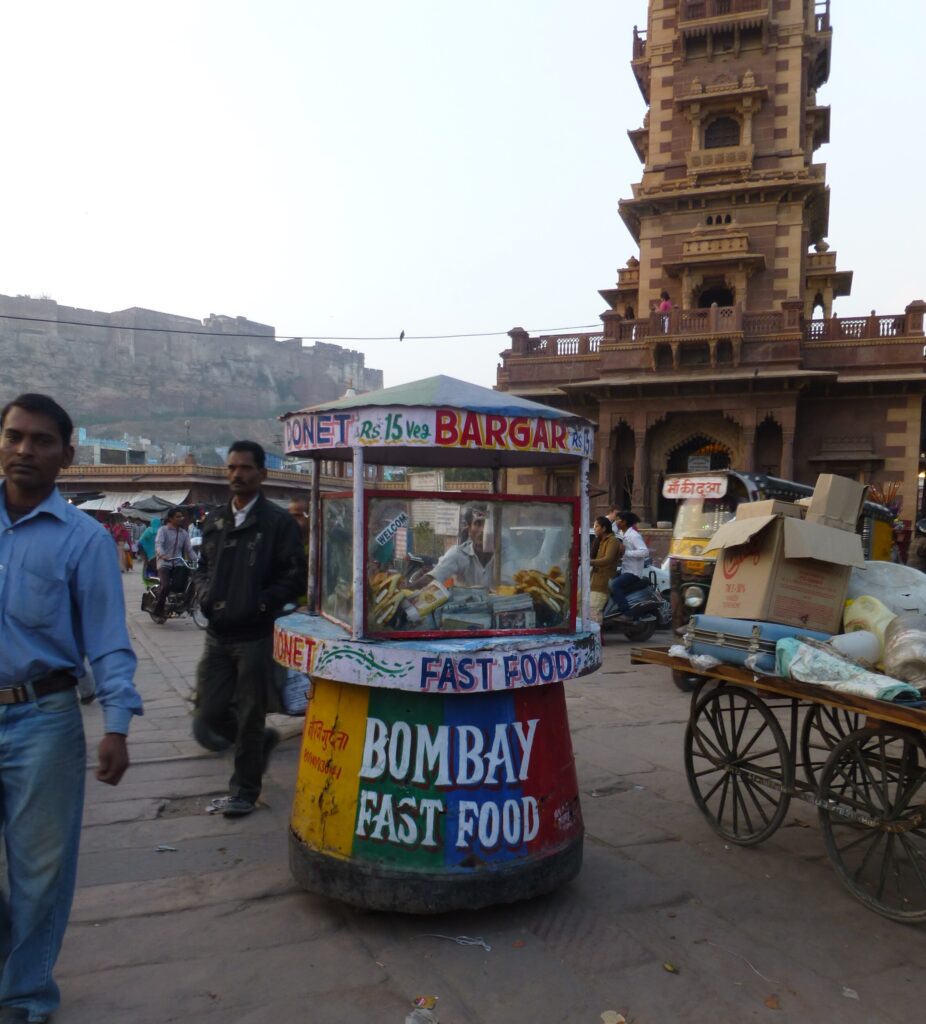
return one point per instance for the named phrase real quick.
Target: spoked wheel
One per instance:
(197, 615)
(738, 766)
(822, 729)
(874, 821)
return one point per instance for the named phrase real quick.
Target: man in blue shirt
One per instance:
(60, 602)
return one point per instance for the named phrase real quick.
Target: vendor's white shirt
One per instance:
(635, 552)
(242, 514)
(462, 563)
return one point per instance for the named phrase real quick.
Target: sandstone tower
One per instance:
(730, 200)
(750, 368)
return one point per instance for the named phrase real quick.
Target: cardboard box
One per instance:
(772, 507)
(782, 569)
(836, 502)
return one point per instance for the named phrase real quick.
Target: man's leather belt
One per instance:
(54, 682)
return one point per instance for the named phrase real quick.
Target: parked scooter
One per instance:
(649, 611)
(181, 598)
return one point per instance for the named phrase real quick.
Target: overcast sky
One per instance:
(338, 168)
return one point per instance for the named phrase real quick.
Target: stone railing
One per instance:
(179, 470)
(856, 328)
(564, 345)
(723, 158)
(725, 244)
(695, 10)
(721, 322)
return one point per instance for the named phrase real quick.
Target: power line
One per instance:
(292, 337)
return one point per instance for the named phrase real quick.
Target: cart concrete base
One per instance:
(375, 886)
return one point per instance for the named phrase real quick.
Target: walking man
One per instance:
(60, 602)
(172, 546)
(251, 564)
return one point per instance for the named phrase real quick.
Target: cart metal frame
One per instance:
(754, 742)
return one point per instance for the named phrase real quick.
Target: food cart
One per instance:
(755, 741)
(436, 768)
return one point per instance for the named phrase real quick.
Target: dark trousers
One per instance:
(620, 587)
(231, 706)
(163, 589)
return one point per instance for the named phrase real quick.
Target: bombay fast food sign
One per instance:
(400, 426)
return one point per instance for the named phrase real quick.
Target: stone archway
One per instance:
(675, 432)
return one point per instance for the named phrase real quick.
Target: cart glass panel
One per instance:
(469, 565)
(337, 543)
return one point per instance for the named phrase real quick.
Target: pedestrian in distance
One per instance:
(147, 549)
(300, 513)
(633, 559)
(603, 564)
(61, 602)
(252, 563)
(172, 546)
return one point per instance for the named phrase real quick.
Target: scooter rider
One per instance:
(635, 554)
(172, 545)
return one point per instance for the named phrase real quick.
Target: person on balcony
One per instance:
(665, 308)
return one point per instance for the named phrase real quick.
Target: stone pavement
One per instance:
(215, 930)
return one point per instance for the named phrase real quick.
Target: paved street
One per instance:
(217, 931)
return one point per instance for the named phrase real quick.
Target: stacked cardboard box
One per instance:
(790, 563)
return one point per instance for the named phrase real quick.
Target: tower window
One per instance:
(722, 131)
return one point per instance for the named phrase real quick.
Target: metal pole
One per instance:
(314, 522)
(584, 553)
(359, 560)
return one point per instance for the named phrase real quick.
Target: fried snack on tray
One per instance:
(544, 587)
(388, 594)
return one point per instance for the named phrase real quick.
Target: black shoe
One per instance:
(9, 1014)
(237, 807)
(271, 742)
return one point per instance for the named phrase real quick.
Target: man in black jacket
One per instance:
(251, 564)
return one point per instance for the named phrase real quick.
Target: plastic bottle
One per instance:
(860, 645)
(870, 614)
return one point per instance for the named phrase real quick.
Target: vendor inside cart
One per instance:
(471, 562)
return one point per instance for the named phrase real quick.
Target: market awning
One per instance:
(113, 501)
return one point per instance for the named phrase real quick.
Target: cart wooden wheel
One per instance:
(738, 765)
(823, 727)
(874, 820)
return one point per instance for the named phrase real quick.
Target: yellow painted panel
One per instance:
(882, 541)
(325, 802)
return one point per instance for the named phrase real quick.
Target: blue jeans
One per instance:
(42, 767)
(620, 587)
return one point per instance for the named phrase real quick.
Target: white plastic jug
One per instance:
(869, 614)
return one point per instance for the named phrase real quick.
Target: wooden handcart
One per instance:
(753, 742)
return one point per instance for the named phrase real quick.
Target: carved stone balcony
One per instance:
(724, 158)
(722, 11)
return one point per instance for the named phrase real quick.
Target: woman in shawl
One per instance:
(146, 546)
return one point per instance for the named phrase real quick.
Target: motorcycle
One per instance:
(649, 611)
(181, 597)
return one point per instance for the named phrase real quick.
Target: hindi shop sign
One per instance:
(680, 487)
(434, 428)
